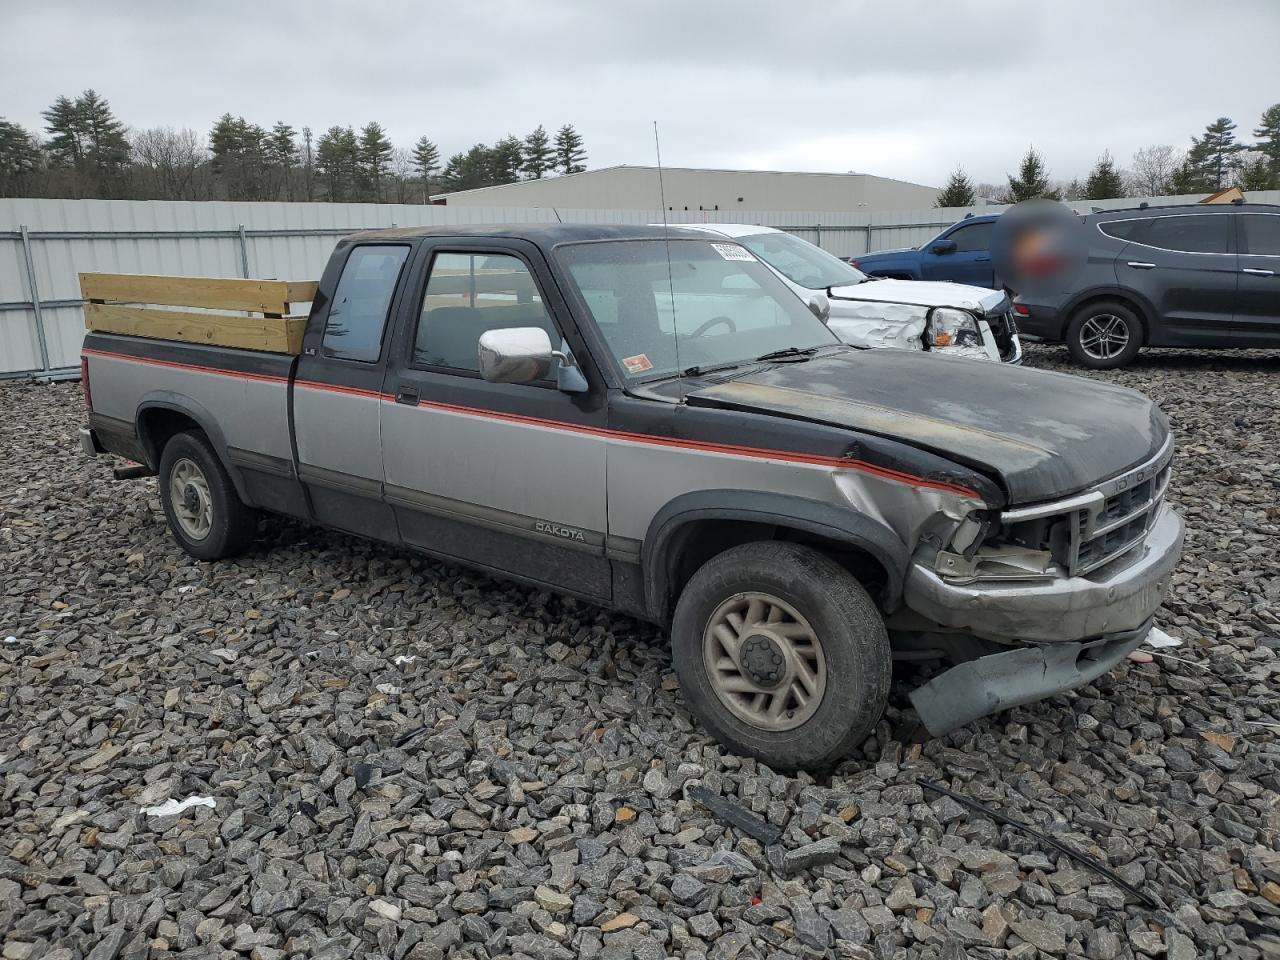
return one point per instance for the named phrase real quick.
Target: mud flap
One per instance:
(986, 685)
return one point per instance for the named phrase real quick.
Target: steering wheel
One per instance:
(703, 328)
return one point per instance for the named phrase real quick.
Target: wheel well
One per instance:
(698, 541)
(157, 425)
(1125, 301)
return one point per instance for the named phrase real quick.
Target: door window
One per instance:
(1124, 229)
(469, 293)
(1260, 234)
(1206, 233)
(972, 238)
(353, 329)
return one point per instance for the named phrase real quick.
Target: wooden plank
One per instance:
(274, 335)
(261, 296)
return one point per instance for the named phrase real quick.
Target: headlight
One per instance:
(950, 328)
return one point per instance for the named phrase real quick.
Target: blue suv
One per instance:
(961, 253)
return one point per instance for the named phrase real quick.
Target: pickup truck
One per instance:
(961, 254)
(651, 420)
(945, 318)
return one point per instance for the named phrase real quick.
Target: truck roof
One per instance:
(544, 234)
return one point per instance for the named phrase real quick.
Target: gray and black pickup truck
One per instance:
(650, 420)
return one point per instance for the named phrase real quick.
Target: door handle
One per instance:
(982, 259)
(407, 394)
(1258, 273)
(1141, 265)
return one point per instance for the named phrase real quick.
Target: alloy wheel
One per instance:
(1104, 336)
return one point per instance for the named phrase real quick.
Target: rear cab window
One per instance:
(358, 313)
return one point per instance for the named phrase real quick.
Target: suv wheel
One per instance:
(1104, 335)
(781, 654)
(206, 515)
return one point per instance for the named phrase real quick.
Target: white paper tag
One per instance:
(1159, 639)
(731, 251)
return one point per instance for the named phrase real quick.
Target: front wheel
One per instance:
(781, 654)
(206, 515)
(1104, 335)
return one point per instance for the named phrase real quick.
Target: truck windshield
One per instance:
(729, 308)
(800, 261)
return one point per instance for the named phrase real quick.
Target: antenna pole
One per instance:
(666, 242)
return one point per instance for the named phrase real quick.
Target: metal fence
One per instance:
(49, 242)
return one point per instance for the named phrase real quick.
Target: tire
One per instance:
(205, 514)
(1115, 320)
(807, 589)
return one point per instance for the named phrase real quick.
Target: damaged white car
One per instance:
(949, 318)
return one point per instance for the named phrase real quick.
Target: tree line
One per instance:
(1215, 160)
(86, 151)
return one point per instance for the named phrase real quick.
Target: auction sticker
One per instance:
(731, 251)
(637, 364)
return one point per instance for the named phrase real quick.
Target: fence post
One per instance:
(244, 254)
(35, 297)
(866, 245)
(819, 236)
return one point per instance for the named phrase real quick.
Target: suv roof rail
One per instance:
(1238, 201)
(967, 215)
(1095, 209)
(1143, 205)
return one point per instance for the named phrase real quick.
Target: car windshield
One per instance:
(719, 306)
(800, 261)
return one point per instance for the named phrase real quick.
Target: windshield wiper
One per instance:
(697, 371)
(787, 352)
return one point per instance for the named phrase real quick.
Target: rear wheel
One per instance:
(781, 654)
(206, 515)
(1104, 335)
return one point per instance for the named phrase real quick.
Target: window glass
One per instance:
(353, 330)
(727, 306)
(800, 261)
(976, 236)
(1123, 229)
(468, 294)
(1261, 233)
(1206, 233)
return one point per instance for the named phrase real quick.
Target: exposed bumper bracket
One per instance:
(986, 685)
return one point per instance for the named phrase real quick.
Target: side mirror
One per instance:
(820, 306)
(516, 355)
(943, 246)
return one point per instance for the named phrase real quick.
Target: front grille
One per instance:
(1088, 531)
(1003, 328)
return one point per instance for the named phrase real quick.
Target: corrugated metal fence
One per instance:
(44, 244)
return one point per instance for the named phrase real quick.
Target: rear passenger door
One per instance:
(1257, 319)
(1185, 266)
(970, 262)
(507, 476)
(337, 390)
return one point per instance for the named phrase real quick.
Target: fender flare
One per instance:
(180, 403)
(832, 521)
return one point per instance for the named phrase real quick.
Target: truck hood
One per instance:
(872, 257)
(924, 293)
(1041, 435)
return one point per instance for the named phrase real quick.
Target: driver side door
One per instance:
(505, 476)
(970, 262)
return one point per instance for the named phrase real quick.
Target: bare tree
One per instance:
(170, 163)
(1153, 169)
(402, 173)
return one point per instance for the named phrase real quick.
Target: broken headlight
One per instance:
(952, 329)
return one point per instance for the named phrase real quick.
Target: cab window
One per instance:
(971, 238)
(1260, 234)
(469, 293)
(358, 314)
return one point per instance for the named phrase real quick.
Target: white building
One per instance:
(688, 189)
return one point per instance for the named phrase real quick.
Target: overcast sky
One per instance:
(902, 89)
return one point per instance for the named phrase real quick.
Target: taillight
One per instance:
(853, 263)
(1022, 310)
(84, 385)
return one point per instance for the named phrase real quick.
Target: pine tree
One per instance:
(1032, 180)
(505, 160)
(426, 160)
(1268, 134)
(374, 158)
(1105, 181)
(538, 155)
(282, 156)
(1187, 177)
(240, 161)
(308, 165)
(1256, 173)
(1214, 153)
(570, 153)
(19, 158)
(65, 126)
(958, 191)
(337, 160)
(107, 147)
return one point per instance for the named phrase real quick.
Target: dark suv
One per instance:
(1188, 276)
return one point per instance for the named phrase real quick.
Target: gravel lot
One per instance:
(542, 812)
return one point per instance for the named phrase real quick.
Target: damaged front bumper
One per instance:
(1058, 610)
(987, 685)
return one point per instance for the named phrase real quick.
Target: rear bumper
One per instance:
(1064, 610)
(1041, 322)
(999, 681)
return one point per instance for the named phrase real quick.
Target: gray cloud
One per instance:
(907, 89)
